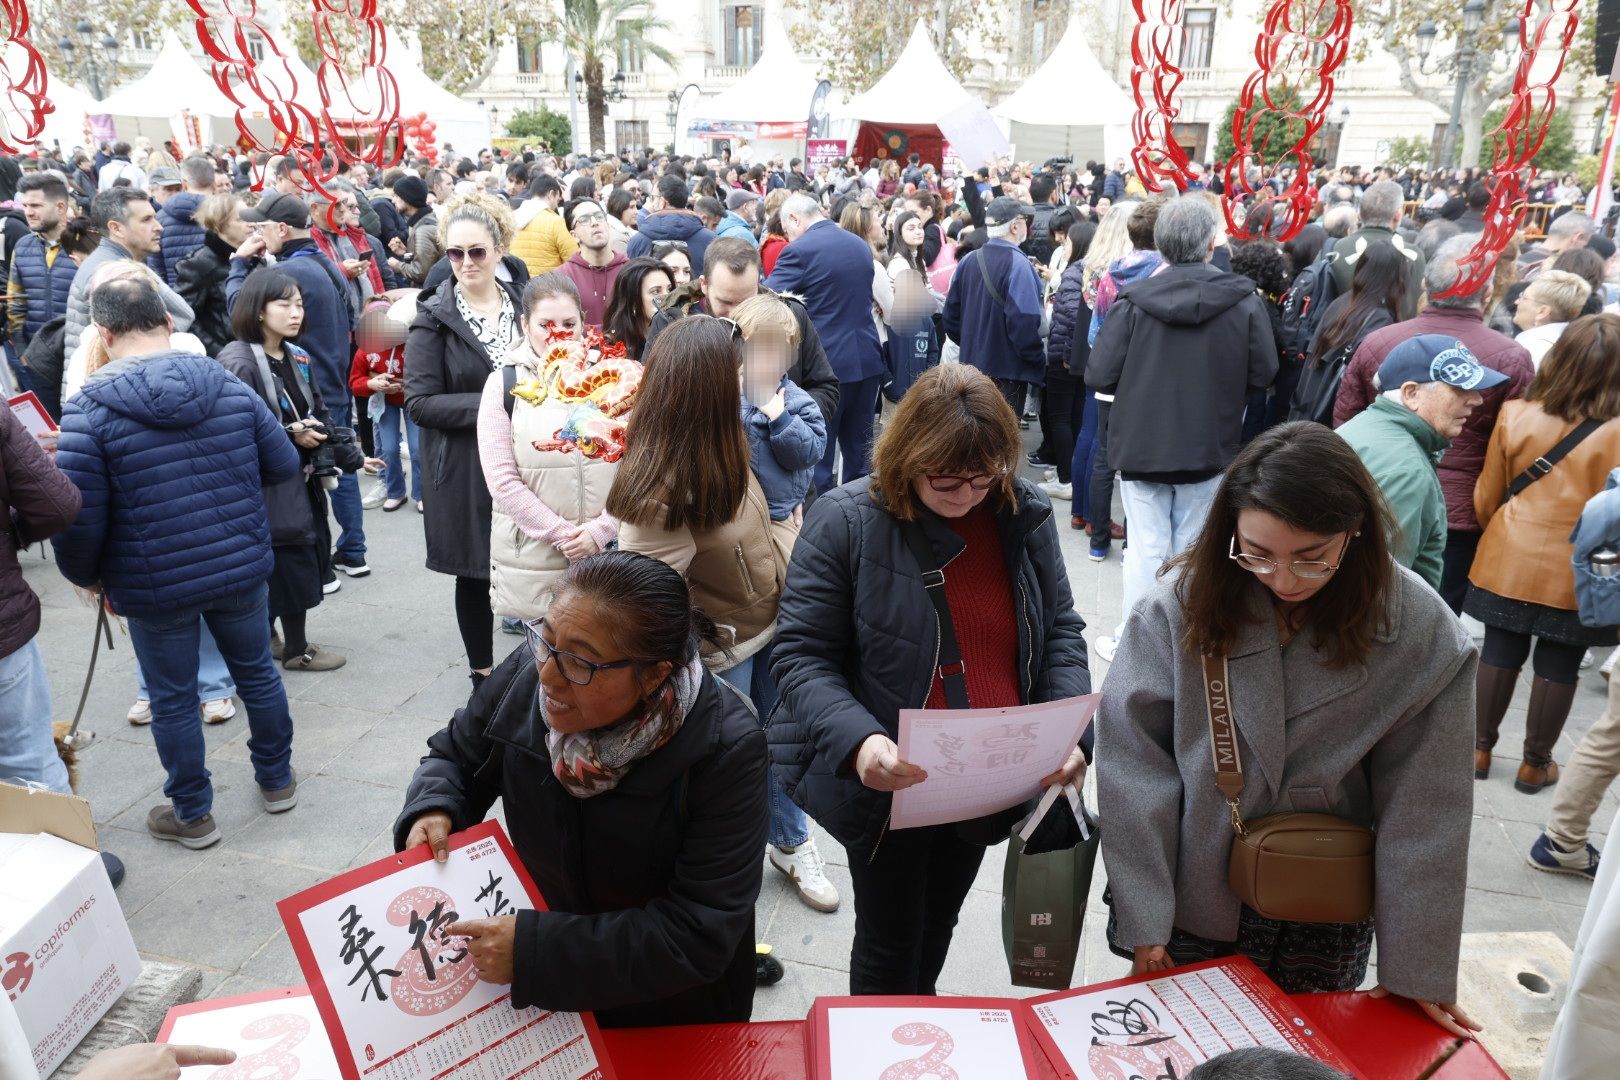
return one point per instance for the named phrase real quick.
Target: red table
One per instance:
(1387, 1039)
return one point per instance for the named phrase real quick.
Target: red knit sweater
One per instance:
(980, 594)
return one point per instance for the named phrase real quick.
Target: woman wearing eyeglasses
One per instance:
(858, 639)
(460, 333)
(633, 787)
(1350, 686)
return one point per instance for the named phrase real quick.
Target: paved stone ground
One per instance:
(360, 732)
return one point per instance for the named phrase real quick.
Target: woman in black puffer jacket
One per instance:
(857, 641)
(200, 276)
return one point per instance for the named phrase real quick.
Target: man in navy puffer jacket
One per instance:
(172, 454)
(181, 233)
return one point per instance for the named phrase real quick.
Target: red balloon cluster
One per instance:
(1519, 136)
(1300, 46)
(23, 106)
(419, 129)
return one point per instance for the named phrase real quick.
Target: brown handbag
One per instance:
(1309, 868)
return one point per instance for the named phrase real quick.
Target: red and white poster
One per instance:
(401, 999)
(917, 1038)
(1167, 1025)
(277, 1035)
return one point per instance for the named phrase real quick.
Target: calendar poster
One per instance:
(277, 1035)
(911, 1038)
(400, 997)
(1166, 1025)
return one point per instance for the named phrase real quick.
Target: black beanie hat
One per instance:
(412, 190)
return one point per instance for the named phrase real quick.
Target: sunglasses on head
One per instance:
(477, 253)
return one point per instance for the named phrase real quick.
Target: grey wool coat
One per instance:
(1385, 744)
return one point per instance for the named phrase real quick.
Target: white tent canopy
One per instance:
(175, 82)
(776, 90)
(462, 124)
(917, 90)
(66, 122)
(1069, 106)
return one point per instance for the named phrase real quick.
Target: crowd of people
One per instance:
(739, 452)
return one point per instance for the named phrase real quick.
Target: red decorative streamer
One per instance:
(374, 102)
(1518, 137)
(25, 106)
(1155, 43)
(1301, 43)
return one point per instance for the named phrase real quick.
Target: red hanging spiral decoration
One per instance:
(1300, 46)
(24, 105)
(1518, 138)
(1154, 80)
(374, 99)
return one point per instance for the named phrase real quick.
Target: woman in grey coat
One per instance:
(1351, 687)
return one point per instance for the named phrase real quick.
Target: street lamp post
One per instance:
(1462, 64)
(89, 68)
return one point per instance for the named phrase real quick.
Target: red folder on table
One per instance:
(1393, 1039)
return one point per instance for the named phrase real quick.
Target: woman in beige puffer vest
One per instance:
(550, 433)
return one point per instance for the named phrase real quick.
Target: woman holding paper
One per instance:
(856, 643)
(1348, 686)
(634, 790)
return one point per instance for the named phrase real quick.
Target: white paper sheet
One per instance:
(28, 408)
(1164, 1027)
(277, 1037)
(905, 1043)
(399, 1005)
(980, 761)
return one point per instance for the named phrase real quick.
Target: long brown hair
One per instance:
(686, 456)
(952, 421)
(1309, 477)
(1579, 378)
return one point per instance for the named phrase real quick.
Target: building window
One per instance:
(631, 59)
(1192, 138)
(1043, 34)
(143, 41)
(1197, 37)
(631, 134)
(528, 50)
(255, 44)
(744, 34)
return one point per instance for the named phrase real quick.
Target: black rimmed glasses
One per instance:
(575, 668)
(947, 484)
(1306, 569)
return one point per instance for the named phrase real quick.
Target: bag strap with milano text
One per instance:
(952, 671)
(1223, 735)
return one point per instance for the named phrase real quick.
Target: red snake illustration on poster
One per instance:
(930, 1065)
(437, 971)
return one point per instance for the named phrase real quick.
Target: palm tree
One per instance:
(593, 30)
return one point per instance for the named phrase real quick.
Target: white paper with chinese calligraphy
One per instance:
(980, 761)
(401, 999)
(277, 1035)
(1168, 1025)
(917, 1038)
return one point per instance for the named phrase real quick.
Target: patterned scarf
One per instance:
(590, 762)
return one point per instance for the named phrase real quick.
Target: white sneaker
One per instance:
(1103, 649)
(140, 713)
(1607, 667)
(1055, 490)
(374, 498)
(808, 873)
(330, 587)
(1587, 660)
(218, 710)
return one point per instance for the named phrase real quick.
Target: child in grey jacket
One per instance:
(787, 434)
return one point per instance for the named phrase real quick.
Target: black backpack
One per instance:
(1304, 305)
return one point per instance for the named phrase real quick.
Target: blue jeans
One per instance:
(1165, 519)
(1085, 454)
(849, 430)
(388, 450)
(789, 827)
(27, 751)
(345, 499)
(165, 645)
(213, 677)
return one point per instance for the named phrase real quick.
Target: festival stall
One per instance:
(919, 107)
(774, 106)
(1069, 108)
(176, 99)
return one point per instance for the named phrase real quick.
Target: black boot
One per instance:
(1493, 689)
(1549, 708)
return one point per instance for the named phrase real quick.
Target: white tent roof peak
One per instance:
(1069, 89)
(918, 89)
(175, 82)
(777, 89)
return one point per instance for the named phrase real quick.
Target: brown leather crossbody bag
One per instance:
(1310, 868)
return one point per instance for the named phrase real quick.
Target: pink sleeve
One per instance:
(506, 484)
(604, 529)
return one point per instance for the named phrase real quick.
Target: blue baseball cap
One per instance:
(1436, 358)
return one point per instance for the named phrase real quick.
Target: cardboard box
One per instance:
(65, 951)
